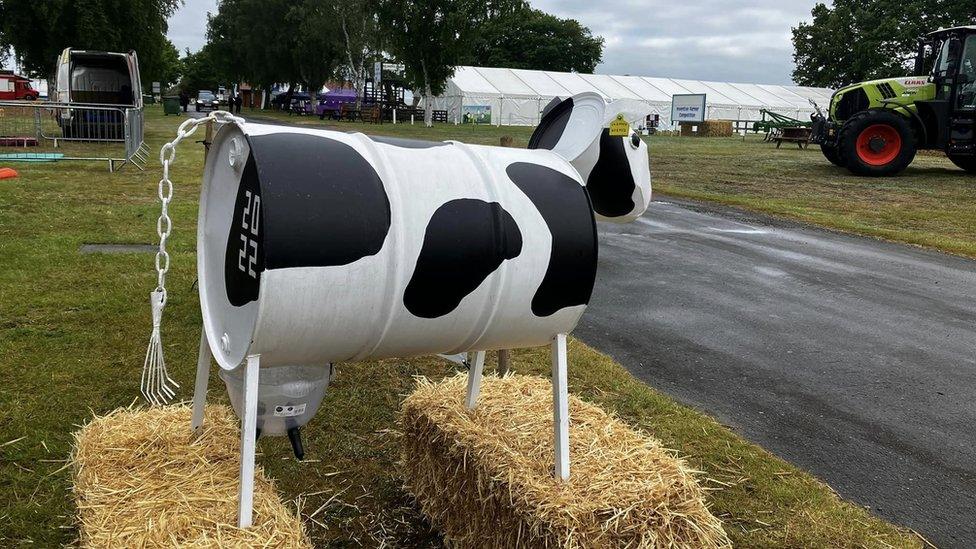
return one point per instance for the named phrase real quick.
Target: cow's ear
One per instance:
(551, 105)
(570, 127)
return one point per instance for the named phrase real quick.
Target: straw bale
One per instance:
(708, 128)
(485, 477)
(142, 480)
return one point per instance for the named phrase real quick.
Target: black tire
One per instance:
(831, 153)
(967, 163)
(877, 143)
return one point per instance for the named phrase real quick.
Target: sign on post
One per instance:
(155, 88)
(688, 107)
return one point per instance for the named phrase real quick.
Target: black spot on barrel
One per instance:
(465, 241)
(244, 256)
(323, 203)
(406, 143)
(611, 183)
(566, 209)
(552, 125)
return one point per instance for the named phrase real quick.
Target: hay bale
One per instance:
(485, 477)
(708, 128)
(141, 480)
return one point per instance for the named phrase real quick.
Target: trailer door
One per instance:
(133, 61)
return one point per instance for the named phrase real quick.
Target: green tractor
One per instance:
(874, 128)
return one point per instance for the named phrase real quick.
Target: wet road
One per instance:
(849, 357)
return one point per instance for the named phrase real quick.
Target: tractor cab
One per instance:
(875, 128)
(946, 120)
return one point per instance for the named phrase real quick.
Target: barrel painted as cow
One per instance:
(318, 246)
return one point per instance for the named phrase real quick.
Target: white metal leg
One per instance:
(249, 424)
(203, 378)
(504, 362)
(560, 406)
(474, 379)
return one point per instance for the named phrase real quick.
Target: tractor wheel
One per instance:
(967, 163)
(831, 153)
(877, 143)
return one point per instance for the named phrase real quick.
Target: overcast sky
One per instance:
(723, 40)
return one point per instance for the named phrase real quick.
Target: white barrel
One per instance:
(318, 246)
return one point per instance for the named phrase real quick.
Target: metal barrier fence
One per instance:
(39, 131)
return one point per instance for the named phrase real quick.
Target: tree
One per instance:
(317, 50)
(200, 72)
(270, 41)
(359, 23)
(38, 31)
(248, 39)
(527, 38)
(430, 38)
(857, 40)
(165, 69)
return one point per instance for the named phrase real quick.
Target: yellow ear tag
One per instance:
(619, 127)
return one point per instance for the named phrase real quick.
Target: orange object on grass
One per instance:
(8, 173)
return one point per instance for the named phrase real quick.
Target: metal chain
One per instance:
(167, 155)
(156, 385)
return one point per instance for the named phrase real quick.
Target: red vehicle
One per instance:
(13, 86)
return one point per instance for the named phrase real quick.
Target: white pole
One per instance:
(203, 378)
(560, 406)
(474, 379)
(249, 424)
(394, 116)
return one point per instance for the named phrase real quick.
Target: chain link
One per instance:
(167, 155)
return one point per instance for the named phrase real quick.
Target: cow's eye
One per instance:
(635, 140)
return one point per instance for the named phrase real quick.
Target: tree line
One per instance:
(856, 40)
(304, 42)
(310, 42)
(37, 32)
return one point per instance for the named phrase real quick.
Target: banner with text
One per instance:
(689, 107)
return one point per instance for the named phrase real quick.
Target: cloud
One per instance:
(723, 40)
(188, 26)
(741, 41)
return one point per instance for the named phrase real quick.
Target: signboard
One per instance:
(155, 87)
(619, 127)
(377, 72)
(476, 114)
(688, 107)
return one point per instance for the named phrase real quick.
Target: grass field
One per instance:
(73, 330)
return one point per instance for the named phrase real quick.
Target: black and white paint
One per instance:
(616, 168)
(318, 246)
(467, 232)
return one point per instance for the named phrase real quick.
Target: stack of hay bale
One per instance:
(141, 479)
(485, 476)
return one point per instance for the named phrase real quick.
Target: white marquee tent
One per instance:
(517, 96)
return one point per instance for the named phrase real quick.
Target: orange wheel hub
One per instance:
(878, 145)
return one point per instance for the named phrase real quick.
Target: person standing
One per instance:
(184, 99)
(238, 102)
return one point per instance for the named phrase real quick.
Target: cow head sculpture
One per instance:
(615, 168)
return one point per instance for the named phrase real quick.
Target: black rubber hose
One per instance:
(295, 436)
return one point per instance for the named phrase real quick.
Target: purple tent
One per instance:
(331, 101)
